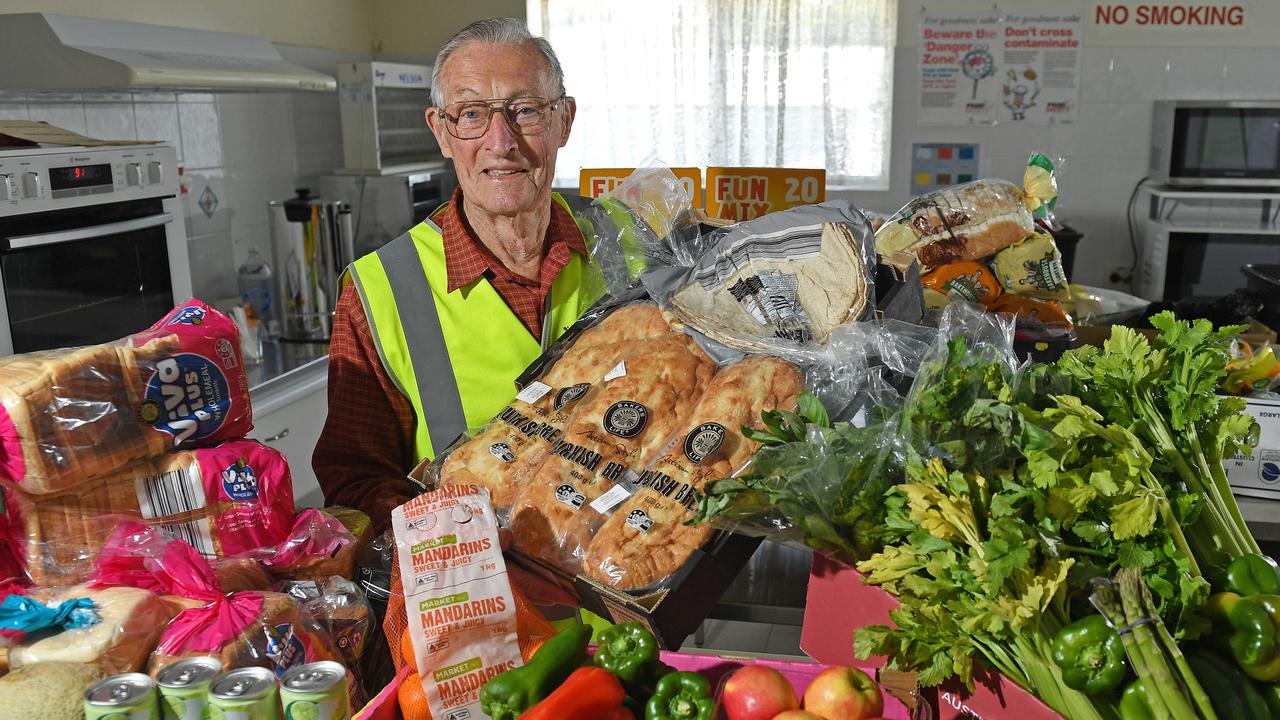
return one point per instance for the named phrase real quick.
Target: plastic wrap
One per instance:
(129, 623)
(225, 500)
(504, 455)
(340, 607)
(1032, 266)
(317, 547)
(968, 281)
(972, 221)
(645, 541)
(86, 412)
(777, 282)
(615, 430)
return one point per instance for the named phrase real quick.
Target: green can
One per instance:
(315, 691)
(244, 694)
(131, 696)
(184, 687)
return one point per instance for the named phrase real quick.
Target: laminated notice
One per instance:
(458, 600)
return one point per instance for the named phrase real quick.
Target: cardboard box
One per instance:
(1259, 476)
(838, 603)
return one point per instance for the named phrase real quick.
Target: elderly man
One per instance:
(432, 329)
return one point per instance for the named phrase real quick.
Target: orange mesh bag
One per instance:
(532, 629)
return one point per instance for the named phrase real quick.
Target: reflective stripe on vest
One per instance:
(455, 355)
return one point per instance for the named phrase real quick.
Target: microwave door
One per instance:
(81, 284)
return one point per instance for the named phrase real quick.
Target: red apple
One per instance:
(844, 693)
(797, 715)
(756, 692)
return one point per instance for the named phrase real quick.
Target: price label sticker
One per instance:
(611, 499)
(619, 370)
(533, 392)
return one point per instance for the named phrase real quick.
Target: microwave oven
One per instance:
(1219, 143)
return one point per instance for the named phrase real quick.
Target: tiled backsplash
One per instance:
(1105, 153)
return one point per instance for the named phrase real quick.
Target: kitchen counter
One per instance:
(283, 362)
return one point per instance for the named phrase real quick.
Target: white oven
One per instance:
(92, 244)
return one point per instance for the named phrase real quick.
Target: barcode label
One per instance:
(177, 491)
(196, 534)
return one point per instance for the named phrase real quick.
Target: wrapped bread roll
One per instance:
(131, 622)
(616, 428)
(505, 453)
(645, 540)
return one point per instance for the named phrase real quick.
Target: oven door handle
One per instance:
(86, 233)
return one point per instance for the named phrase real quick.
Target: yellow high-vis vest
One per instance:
(456, 355)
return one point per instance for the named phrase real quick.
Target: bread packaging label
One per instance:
(459, 603)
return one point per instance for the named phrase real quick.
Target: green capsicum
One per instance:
(1253, 574)
(1252, 631)
(627, 650)
(1091, 655)
(511, 693)
(1271, 696)
(1231, 693)
(1134, 704)
(681, 696)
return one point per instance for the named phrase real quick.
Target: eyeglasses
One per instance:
(469, 120)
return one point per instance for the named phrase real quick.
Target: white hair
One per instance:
(496, 31)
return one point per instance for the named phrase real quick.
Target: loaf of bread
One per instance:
(503, 455)
(645, 540)
(617, 427)
(965, 222)
(224, 501)
(66, 415)
(130, 626)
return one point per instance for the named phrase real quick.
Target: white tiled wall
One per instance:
(247, 148)
(1106, 151)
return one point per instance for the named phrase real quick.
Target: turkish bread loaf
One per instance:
(616, 428)
(795, 284)
(965, 222)
(503, 455)
(645, 540)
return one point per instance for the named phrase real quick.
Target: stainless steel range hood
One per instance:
(41, 51)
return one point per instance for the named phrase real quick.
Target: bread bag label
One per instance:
(187, 397)
(458, 600)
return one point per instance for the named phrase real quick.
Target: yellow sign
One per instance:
(594, 182)
(745, 193)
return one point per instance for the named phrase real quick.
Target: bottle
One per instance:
(254, 278)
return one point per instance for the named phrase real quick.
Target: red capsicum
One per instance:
(589, 693)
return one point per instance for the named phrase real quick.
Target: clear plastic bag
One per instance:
(340, 607)
(86, 412)
(972, 221)
(225, 500)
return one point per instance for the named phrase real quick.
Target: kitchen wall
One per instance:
(1106, 151)
(237, 150)
(404, 30)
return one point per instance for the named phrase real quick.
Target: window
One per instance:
(783, 83)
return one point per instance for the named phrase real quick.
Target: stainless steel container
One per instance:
(311, 245)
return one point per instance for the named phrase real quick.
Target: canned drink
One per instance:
(131, 696)
(315, 691)
(244, 694)
(184, 687)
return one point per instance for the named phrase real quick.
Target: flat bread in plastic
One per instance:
(503, 455)
(619, 426)
(645, 540)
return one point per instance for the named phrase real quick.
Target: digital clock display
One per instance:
(80, 176)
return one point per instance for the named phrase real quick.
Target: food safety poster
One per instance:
(999, 66)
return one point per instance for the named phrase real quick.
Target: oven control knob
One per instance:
(133, 175)
(31, 185)
(8, 188)
(155, 172)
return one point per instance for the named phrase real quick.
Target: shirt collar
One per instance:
(466, 259)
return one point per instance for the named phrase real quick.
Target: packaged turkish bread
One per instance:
(225, 501)
(970, 281)
(1033, 267)
(67, 415)
(127, 624)
(506, 452)
(614, 431)
(967, 222)
(645, 541)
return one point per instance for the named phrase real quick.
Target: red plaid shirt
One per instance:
(366, 448)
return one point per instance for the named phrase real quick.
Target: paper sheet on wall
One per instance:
(989, 67)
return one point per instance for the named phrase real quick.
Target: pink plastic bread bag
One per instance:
(147, 558)
(247, 484)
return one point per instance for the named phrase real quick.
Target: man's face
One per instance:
(502, 171)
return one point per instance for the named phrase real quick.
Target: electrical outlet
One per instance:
(1120, 274)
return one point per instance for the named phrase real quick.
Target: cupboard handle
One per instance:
(278, 436)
